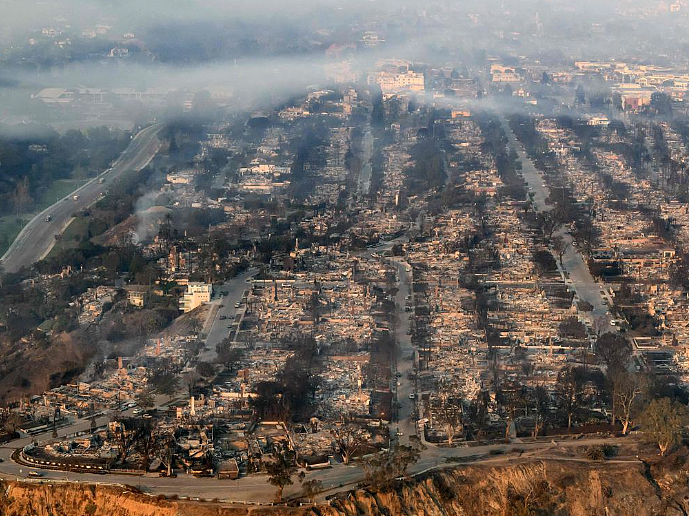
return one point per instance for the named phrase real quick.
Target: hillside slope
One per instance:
(529, 488)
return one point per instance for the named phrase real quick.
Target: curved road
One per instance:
(37, 238)
(256, 489)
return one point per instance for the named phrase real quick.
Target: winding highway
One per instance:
(37, 238)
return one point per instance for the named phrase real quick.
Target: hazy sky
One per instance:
(192, 44)
(21, 15)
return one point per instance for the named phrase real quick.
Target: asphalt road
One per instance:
(255, 488)
(579, 276)
(227, 312)
(366, 169)
(37, 238)
(406, 417)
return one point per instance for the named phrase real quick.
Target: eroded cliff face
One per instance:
(556, 488)
(33, 499)
(553, 488)
(74, 499)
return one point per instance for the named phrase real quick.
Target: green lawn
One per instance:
(10, 225)
(72, 236)
(57, 191)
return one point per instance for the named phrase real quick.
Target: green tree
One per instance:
(569, 388)
(145, 399)
(662, 423)
(22, 195)
(349, 438)
(227, 354)
(384, 468)
(310, 488)
(167, 384)
(280, 469)
(205, 369)
(628, 388)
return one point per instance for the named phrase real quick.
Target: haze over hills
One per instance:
(333, 258)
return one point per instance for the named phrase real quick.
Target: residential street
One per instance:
(405, 353)
(225, 315)
(577, 271)
(255, 488)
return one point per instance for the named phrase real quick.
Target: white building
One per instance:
(598, 121)
(395, 82)
(197, 294)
